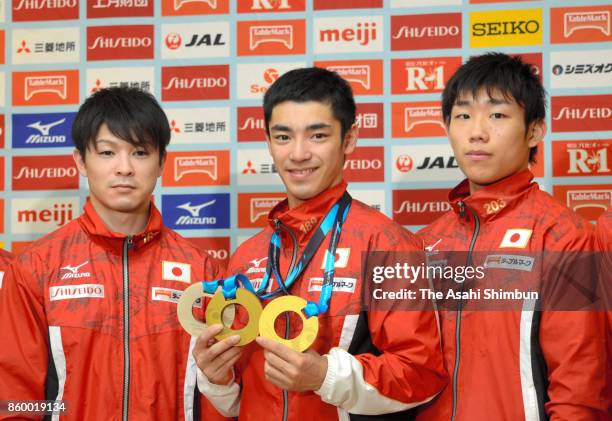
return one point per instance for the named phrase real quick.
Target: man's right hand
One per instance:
(216, 358)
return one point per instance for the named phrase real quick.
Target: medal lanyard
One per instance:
(333, 222)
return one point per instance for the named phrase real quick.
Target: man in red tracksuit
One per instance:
(5, 260)
(379, 363)
(520, 361)
(88, 312)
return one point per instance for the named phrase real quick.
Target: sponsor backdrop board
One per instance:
(209, 62)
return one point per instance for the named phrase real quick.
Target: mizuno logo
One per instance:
(195, 210)
(257, 262)
(433, 246)
(75, 269)
(45, 128)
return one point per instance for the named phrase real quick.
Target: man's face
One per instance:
(121, 176)
(488, 137)
(307, 148)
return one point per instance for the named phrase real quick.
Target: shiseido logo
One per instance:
(190, 83)
(252, 123)
(66, 292)
(362, 33)
(505, 28)
(576, 113)
(426, 31)
(45, 4)
(408, 206)
(363, 164)
(50, 172)
(121, 42)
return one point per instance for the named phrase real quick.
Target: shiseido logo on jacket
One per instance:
(44, 173)
(419, 32)
(73, 272)
(419, 207)
(34, 10)
(357, 33)
(497, 28)
(119, 8)
(423, 75)
(195, 83)
(42, 130)
(576, 158)
(196, 211)
(69, 292)
(120, 42)
(581, 113)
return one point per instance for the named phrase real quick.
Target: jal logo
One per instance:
(196, 211)
(70, 292)
(419, 207)
(251, 125)
(40, 10)
(266, 6)
(404, 163)
(191, 83)
(210, 168)
(353, 4)
(581, 69)
(369, 120)
(588, 201)
(581, 158)
(194, 7)
(499, 28)
(425, 162)
(424, 75)
(581, 113)
(365, 76)
(193, 41)
(271, 37)
(42, 215)
(60, 87)
(580, 24)
(44, 173)
(357, 33)
(365, 164)
(74, 272)
(216, 247)
(42, 130)
(119, 8)
(420, 32)
(417, 119)
(120, 42)
(253, 208)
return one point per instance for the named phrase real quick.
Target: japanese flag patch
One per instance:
(175, 271)
(516, 238)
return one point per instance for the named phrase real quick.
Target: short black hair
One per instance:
(500, 72)
(313, 84)
(131, 114)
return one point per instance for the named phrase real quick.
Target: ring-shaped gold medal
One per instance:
(310, 326)
(214, 313)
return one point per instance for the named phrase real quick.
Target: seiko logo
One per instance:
(252, 123)
(107, 4)
(363, 33)
(582, 161)
(122, 42)
(567, 113)
(426, 31)
(505, 28)
(205, 82)
(66, 292)
(363, 164)
(270, 4)
(419, 78)
(194, 211)
(408, 206)
(73, 271)
(45, 4)
(53, 172)
(60, 214)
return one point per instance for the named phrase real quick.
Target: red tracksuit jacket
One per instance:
(517, 365)
(88, 316)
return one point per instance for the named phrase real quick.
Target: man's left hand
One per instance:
(292, 370)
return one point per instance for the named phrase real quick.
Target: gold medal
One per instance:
(245, 298)
(310, 326)
(184, 309)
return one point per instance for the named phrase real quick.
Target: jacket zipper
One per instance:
(127, 245)
(462, 208)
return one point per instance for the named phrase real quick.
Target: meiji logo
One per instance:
(120, 42)
(44, 173)
(365, 164)
(69, 292)
(271, 37)
(575, 158)
(33, 10)
(419, 207)
(363, 33)
(251, 125)
(58, 214)
(196, 211)
(422, 75)
(417, 119)
(581, 113)
(42, 130)
(52, 84)
(404, 163)
(339, 285)
(195, 83)
(73, 272)
(46, 88)
(261, 6)
(497, 28)
(253, 208)
(119, 8)
(418, 32)
(586, 20)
